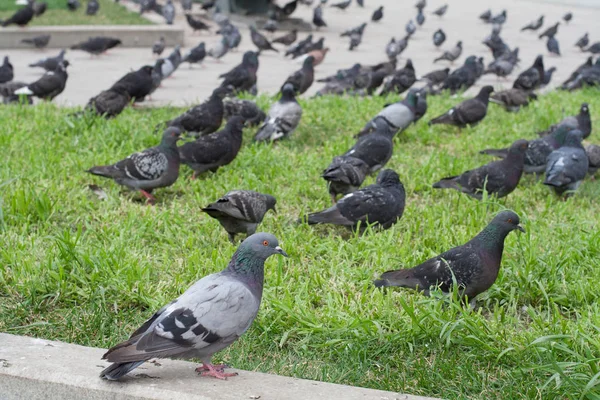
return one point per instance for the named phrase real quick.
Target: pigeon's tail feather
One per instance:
(556, 179)
(27, 41)
(442, 119)
(107, 171)
(331, 215)
(118, 370)
(400, 278)
(447, 183)
(502, 153)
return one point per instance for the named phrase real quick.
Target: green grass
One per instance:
(110, 13)
(81, 270)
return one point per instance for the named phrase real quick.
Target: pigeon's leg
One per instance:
(151, 199)
(231, 237)
(216, 373)
(333, 198)
(218, 367)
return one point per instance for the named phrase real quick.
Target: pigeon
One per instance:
(361, 3)
(39, 8)
(436, 77)
(567, 166)
(243, 76)
(452, 54)
(271, 26)
(441, 11)
(421, 5)
(300, 47)
(168, 12)
(159, 46)
(247, 109)
(342, 5)
(439, 37)
(302, 79)
(380, 204)
(550, 31)
(138, 84)
(581, 121)
(317, 55)
(109, 103)
(548, 76)
(283, 118)
(50, 63)
(473, 266)
(538, 150)
(392, 49)
(288, 38)
(568, 17)
(420, 18)
(149, 5)
(401, 81)
(73, 5)
(7, 92)
(260, 41)
(233, 36)
(593, 153)
(501, 68)
(204, 118)
(464, 77)
(512, 99)
(150, 169)
(207, 318)
(410, 28)
(532, 77)
(486, 16)
(220, 49)
(535, 25)
(186, 5)
(318, 20)
(6, 71)
(210, 152)
(207, 5)
(289, 8)
(39, 42)
(97, 45)
(583, 42)
(357, 29)
(92, 7)
(377, 14)
(355, 40)
(196, 55)
(241, 211)
(397, 116)
(469, 112)
(50, 85)
(344, 175)
(499, 19)
(594, 49)
(497, 178)
(376, 148)
(343, 74)
(586, 77)
(552, 45)
(22, 16)
(196, 24)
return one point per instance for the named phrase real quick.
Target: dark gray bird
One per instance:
(246, 109)
(344, 175)
(593, 153)
(357, 29)
(153, 168)
(469, 112)
(548, 76)
(168, 12)
(464, 77)
(271, 26)
(220, 49)
(567, 166)
(302, 79)
(149, 5)
(186, 5)
(537, 151)
(420, 18)
(50, 63)
(196, 24)
(499, 19)
(73, 5)
(439, 37)
(393, 48)
(512, 99)
(7, 92)
(497, 178)
(109, 103)
(97, 45)
(568, 17)
(377, 14)
(441, 11)
(396, 116)
(552, 45)
(92, 7)
(6, 71)
(474, 266)
(586, 77)
(380, 204)
(21, 17)
(50, 85)
(204, 118)
(550, 31)
(138, 83)
(594, 49)
(196, 55)
(535, 25)
(288, 38)
(586, 65)
(283, 118)
(486, 16)
(260, 41)
(342, 5)
(210, 152)
(501, 68)
(241, 211)
(39, 42)
(243, 77)
(175, 60)
(410, 28)
(207, 318)
(583, 42)
(376, 148)
(159, 46)
(436, 77)
(300, 47)
(452, 54)
(401, 80)
(421, 4)
(318, 20)
(39, 8)
(532, 77)
(355, 40)
(581, 121)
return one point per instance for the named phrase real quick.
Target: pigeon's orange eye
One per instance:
(509, 220)
(265, 243)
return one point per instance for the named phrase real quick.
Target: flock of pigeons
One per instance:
(219, 308)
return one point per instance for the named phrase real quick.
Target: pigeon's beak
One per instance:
(519, 227)
(281, 251)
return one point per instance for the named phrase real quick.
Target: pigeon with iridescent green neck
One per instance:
(211, 315)
(474, 266)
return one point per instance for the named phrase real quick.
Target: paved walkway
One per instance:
(88, 76)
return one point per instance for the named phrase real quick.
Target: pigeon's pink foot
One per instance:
(216, 373)
(218, 367)
(151, 199)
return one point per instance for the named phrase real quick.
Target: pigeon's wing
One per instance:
(207, 149)
(490, 176)
(371, 204)
(146, 165)
(470, 111)
(460, 264)
(46, 84)
(244, 205)
(295, 79)
(537, 152)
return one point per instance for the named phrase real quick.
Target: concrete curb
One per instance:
(66, 36)
(41, 369)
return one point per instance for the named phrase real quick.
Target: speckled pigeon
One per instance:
(581, 121)
(246, 109)
(567, 166)
(512, 99)
(153, 168)
(302, 79)
(50, 85)
(498, 178)
(50, 63)
(397, 115)
(243, 76)
(207, 318)
(469, 112)
(473, 266)
(204, 118)
(344, 175)
(210, 152)
(380, 204)
(283, 119)
(240, 211)
(377, 147)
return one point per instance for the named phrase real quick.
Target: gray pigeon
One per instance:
(552, 45)
(473, 266)
(400, 81)
(109, 103)
(420, 18)
(377, 14)
(441, 11)
(583, 42)
(261, 42)
(92, 7)
(593, 153)
(498, 178)
(284, 117)
(397, 115)
(207, 318)
(186, 5)
(50, 63)
(439, 37)
(410, 28)
(6, 71)
(344, 175)
(210, 152)
(380, 204)
(535, 25)
(240, 211)
(532, 77)
(204, 118)
(196, 55)
(220, 49)
(168, 12)
(246, 109)
(512, 99)
(153, 168)
(377, 147)
(452, 54)
(39, 42)
(581, 121)
(469, 112)
(567, 166)
(159, 46)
